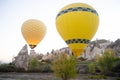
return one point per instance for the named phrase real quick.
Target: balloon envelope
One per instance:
(77, 23)
(33, 32)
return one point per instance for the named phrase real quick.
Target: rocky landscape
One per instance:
(22, 60)
(93, 49)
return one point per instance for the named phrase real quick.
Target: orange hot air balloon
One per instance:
(77, 23)
(33, 32)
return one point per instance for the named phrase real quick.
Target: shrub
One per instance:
(118, 78)
(97, 77)
(45, 67)
(6, 68)
(107, 61)
(10, 68)
(91, 67)
(33, 63)
(64, 67)
(116, 67)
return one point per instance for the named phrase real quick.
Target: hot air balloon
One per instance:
(77, 24)
(33, 32)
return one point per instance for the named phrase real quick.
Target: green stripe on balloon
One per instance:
(77, 9)
(71, 41)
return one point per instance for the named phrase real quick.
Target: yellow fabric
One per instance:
(77, 25)
(33, 31)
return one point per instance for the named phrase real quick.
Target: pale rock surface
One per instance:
(22, 59)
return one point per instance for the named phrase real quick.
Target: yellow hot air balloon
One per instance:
(33, 32)
(77, 23)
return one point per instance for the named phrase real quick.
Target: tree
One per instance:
(107, 61)
(64, 67)
(34, 63)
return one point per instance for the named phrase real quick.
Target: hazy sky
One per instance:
(14, 12)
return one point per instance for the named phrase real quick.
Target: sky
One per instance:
(14, 12)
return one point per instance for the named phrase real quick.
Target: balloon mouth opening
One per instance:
(77, 45)
(77, 52)
(32, 46)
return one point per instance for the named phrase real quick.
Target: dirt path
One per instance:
(39, 76)
(27, 76)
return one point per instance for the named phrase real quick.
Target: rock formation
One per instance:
(115, 46)
(32, 54)
(94, 48)
(22, 59)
